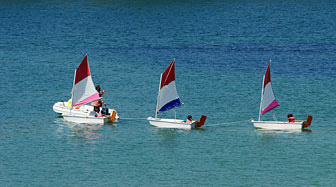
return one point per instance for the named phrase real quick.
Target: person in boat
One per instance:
(97, 112)
(98, 90)
(188, 120)
(291, 118)
(97, 104)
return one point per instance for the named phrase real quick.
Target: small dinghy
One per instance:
(83, 92)
(268, 102)
(83, 110)
(168, 99)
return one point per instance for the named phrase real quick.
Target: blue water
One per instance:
(221, 49)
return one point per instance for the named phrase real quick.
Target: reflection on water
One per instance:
(199, 129)
(168, 136)
(307, 130)
(85, 133)
(269, 132)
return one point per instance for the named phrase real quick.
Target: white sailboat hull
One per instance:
(84, 110)
(170, 123)
(278, 125)
(86, 119)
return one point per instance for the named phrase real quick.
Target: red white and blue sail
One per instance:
(168, 97)
(83, 90)
(268, 101)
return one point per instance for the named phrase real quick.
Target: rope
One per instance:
(207, 125)
(225, 123)
(132, 118)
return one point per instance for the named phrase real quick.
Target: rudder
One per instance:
(307, 123)
(201, 121)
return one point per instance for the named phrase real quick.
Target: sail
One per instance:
(168, 97)
(268, 101)
(83, 90)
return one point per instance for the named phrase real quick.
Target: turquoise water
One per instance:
(221, 49)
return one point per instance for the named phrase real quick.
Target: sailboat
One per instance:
(83, 92)
(268, 102)
(168, 99)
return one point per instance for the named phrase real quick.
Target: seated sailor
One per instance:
(291, 118)
(188, 120)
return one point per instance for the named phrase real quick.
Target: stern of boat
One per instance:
(112, 117)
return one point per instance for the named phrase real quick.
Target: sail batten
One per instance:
(83, 88)
(168, 97)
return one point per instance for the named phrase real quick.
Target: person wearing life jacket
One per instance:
(291, 118)
(97, 104)
(188, 120)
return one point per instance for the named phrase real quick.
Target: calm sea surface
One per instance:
(221, 49)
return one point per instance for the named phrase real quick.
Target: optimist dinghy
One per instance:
(268, 102)
(168, 99)
(83, 92)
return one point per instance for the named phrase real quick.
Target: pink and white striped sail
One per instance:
(83, 90)
(268, 101)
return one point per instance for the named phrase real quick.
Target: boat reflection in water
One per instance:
(79, 133)
(269, 132)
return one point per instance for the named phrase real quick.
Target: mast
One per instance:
(158, 98)
(261, 98)
(72, 91)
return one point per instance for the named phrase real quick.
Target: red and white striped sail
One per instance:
(168, 97)
(83, 90)
(268, 101)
